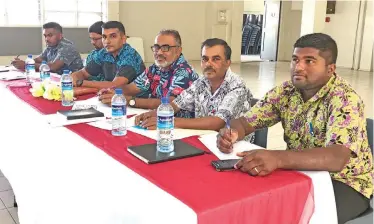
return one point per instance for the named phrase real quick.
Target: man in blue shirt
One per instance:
(60, 53)
(117, 61)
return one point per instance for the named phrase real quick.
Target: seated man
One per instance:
(217, 97)
(60, 53)
(168, 76)
(324, 127)
(118, 61)
(96, 34)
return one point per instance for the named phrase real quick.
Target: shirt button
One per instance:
(211, 99)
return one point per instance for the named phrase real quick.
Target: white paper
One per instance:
(7, 68)
(177, 134)
(95, 103)
(56, 120)
(12, 75)
(107, 124)
(107, 110)
(210, 141)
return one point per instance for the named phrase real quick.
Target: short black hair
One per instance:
(96, 28)
(216, 41)
(114, 25)
(324, 43)
(173, 33)
(53, 25)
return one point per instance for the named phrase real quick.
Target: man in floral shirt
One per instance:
(168, 76)
(324, 127)
(217, 97)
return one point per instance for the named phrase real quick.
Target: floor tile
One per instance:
(5, 217)
(8, 198)
(4, 184)
(14, 213)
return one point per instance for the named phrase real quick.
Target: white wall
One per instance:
(254, 6)
(195, 21)
(366, 57)
(289, 30)
(342, 28)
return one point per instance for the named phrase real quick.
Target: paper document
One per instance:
(177, 134)
(12, 75)
(107, 124)
(94, 103)
(56, 120)
(107, 110)
(7, 68)
(210, 141)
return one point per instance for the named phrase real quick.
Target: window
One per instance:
(71, 13)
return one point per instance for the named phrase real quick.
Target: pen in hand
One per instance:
(228, 127)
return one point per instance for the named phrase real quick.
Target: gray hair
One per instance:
(173, 33)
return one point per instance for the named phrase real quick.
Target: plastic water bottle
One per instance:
(44, 71)
(67, 89)
(119, 114)
(30, 68)
(165, 126)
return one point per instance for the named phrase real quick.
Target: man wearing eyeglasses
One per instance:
(215, 98)
(117, 61)
(60, 53)
(95, 33)
(168, 76)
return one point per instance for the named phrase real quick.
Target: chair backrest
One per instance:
(261, 136)
(369, 129)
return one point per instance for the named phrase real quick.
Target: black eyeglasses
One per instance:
(164, 48)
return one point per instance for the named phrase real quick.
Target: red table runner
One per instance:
(216, 197)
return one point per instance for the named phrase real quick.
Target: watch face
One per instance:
(132, 102)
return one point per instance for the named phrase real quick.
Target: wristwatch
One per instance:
(132, 102)
(79, 82)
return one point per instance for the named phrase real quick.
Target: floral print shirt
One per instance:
(335, 115)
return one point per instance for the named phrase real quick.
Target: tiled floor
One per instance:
(260, 77)
(8, 214)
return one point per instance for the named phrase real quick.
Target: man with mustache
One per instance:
(117, 61)
(324, 127)
(168, 76)
(60, 53)
(217, 97)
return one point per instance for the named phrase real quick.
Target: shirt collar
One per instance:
(323, 91)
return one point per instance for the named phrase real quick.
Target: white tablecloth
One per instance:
(58, 177)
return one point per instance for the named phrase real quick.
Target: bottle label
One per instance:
(30, 67)
(66, 86)
(118, 110)
(165, 122)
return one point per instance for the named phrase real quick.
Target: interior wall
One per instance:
(366, 57)
(342, 27)
(254, 6)
(195, 21)
(289, 30)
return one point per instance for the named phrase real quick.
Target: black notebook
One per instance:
(149, 154)
(80, 114)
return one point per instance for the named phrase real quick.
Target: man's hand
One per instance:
(106, 95)
(225, 139)
(258, 162)
(18, 63)
(141, 119)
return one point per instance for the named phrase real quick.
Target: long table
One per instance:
(60, 177)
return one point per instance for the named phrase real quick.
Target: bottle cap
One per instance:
(119, 91)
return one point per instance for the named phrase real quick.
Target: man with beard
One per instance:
(216, 97)
(117, 61)
(60, 53)
(324, 127)
(168, 76)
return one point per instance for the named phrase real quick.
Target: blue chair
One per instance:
(367, 216)
(261, 136)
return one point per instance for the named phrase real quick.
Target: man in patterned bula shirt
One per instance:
(118, 62)
(324, 127)
(60, 53)
(168, 76)
(216, 97)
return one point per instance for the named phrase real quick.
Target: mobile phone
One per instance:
(225, 165)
